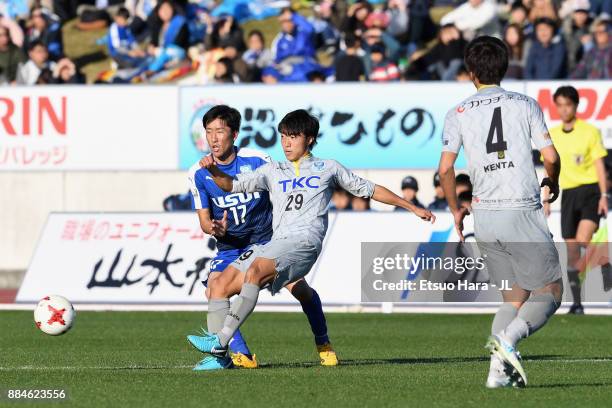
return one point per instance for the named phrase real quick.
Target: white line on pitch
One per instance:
(570, 360)
(34, 368)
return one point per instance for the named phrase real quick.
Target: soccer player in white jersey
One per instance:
(496, 129)
(300, 191)
(250, 223)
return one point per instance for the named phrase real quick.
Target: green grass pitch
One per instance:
(139, 359)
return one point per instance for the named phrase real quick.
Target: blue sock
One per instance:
(237, 344)
(316, 318)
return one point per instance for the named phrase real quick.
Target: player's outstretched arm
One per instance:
(225, 182)
(384, 195)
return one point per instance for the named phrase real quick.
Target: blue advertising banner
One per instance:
(369, 126)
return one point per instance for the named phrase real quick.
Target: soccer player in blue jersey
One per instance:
(239, 221)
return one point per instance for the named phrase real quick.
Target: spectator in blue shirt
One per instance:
(293, 49)
(295, 39)
(169, 38)
(547, 57)
(122, 45)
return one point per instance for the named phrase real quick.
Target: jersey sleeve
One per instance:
(254, 181)
(597, 148)
(537, 126)
(451, 135)
(352, 183)
(199, 196)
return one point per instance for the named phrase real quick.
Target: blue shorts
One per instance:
(222, 260)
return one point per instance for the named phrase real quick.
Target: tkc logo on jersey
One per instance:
(300, 182)
(231, 200)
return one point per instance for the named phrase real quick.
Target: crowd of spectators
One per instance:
(32, 48)
(327, 40)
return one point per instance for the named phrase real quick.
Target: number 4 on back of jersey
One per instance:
(496, 130)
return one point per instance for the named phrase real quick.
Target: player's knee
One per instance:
(517, 305)
(219, 287)
(554, 289)
(212, 277)
(517, 296)
(582, 239)
(301, 291)
(254, 275)
(260, 272)
(214, 289)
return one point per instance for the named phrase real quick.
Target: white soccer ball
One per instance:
(54, 315)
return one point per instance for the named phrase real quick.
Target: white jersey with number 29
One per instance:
(496, 128)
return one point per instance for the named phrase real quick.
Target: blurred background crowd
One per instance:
(240, 41)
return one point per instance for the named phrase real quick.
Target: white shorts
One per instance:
(518, 247)
(294, 258)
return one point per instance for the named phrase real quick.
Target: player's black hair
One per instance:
(487, 58)
(568, 92)
(123, 12)
(300, 122)
(227, 114)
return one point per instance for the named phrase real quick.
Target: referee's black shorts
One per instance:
(577, 204)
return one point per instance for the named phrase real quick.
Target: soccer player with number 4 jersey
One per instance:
(496, 129)
(300, 191)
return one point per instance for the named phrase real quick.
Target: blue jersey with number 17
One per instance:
(249, 215)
